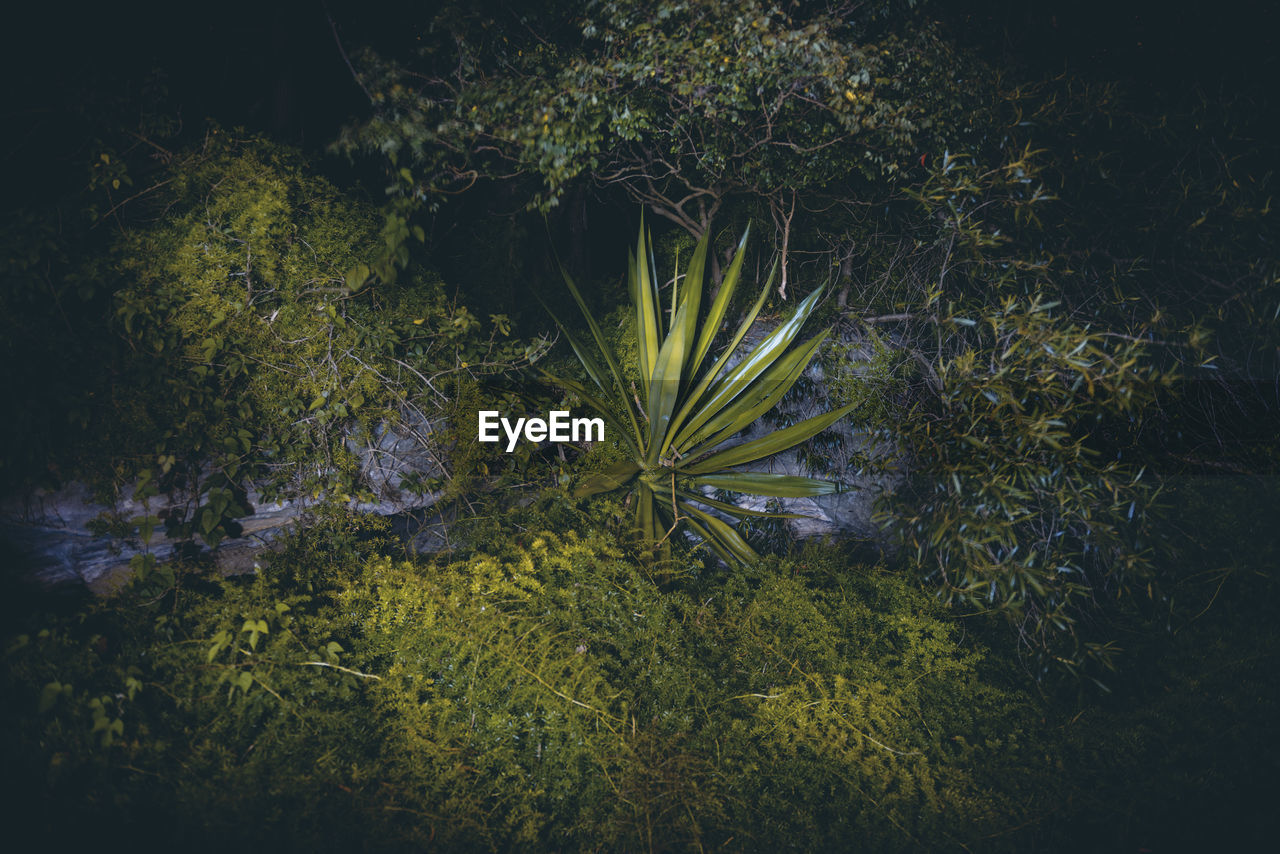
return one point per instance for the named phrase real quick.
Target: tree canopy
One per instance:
(685, 106)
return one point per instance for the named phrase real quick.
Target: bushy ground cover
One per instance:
(554, 692)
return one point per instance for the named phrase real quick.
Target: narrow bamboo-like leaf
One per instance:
(691, 291)
(735, 510)
(631, 432)
(758, 399)
(722, 532)
(614, 477)
(664, 388)
(779, 440)
(675, 288)
(643, 341)
(723, 400)
(772, 344)
(664, 524)
(593, 369)
(768, 483)
(653, 277)
(601, 343)
(756, 363)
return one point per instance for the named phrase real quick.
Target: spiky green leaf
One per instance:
(768, 483)
(779, 440)
(614, 477)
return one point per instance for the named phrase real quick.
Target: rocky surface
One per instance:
(49, 540)
(863, 463)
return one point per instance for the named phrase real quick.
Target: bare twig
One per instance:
(338, 667)
(333, 27)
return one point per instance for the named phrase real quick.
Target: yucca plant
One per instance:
(678, 425)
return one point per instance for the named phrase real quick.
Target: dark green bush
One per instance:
(547, 694)
(544, 695)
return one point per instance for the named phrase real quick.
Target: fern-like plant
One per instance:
(679, 425)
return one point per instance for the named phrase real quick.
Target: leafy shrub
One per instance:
(263, 347)
(1025, 498)
(1017, 509)
(544, 695)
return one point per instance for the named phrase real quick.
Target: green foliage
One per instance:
(684, 106)
(870, 374)
(1199, 676)
(545, 693)
(555, 682)
(1035, 269)
(862, 135)
(262, 349)
(1170, 206)
(1026, 493)
(1020, 513)
(210, 711)
(91, 163)
(325, 547)
(689, 411)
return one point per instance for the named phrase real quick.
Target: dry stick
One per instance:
(786, 240)
(336, 40)
(164, 152)
(674, 512)
(339, 667)
(119, 205)
(635, 394)
(887, 318)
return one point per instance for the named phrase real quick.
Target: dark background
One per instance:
(275, 67)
